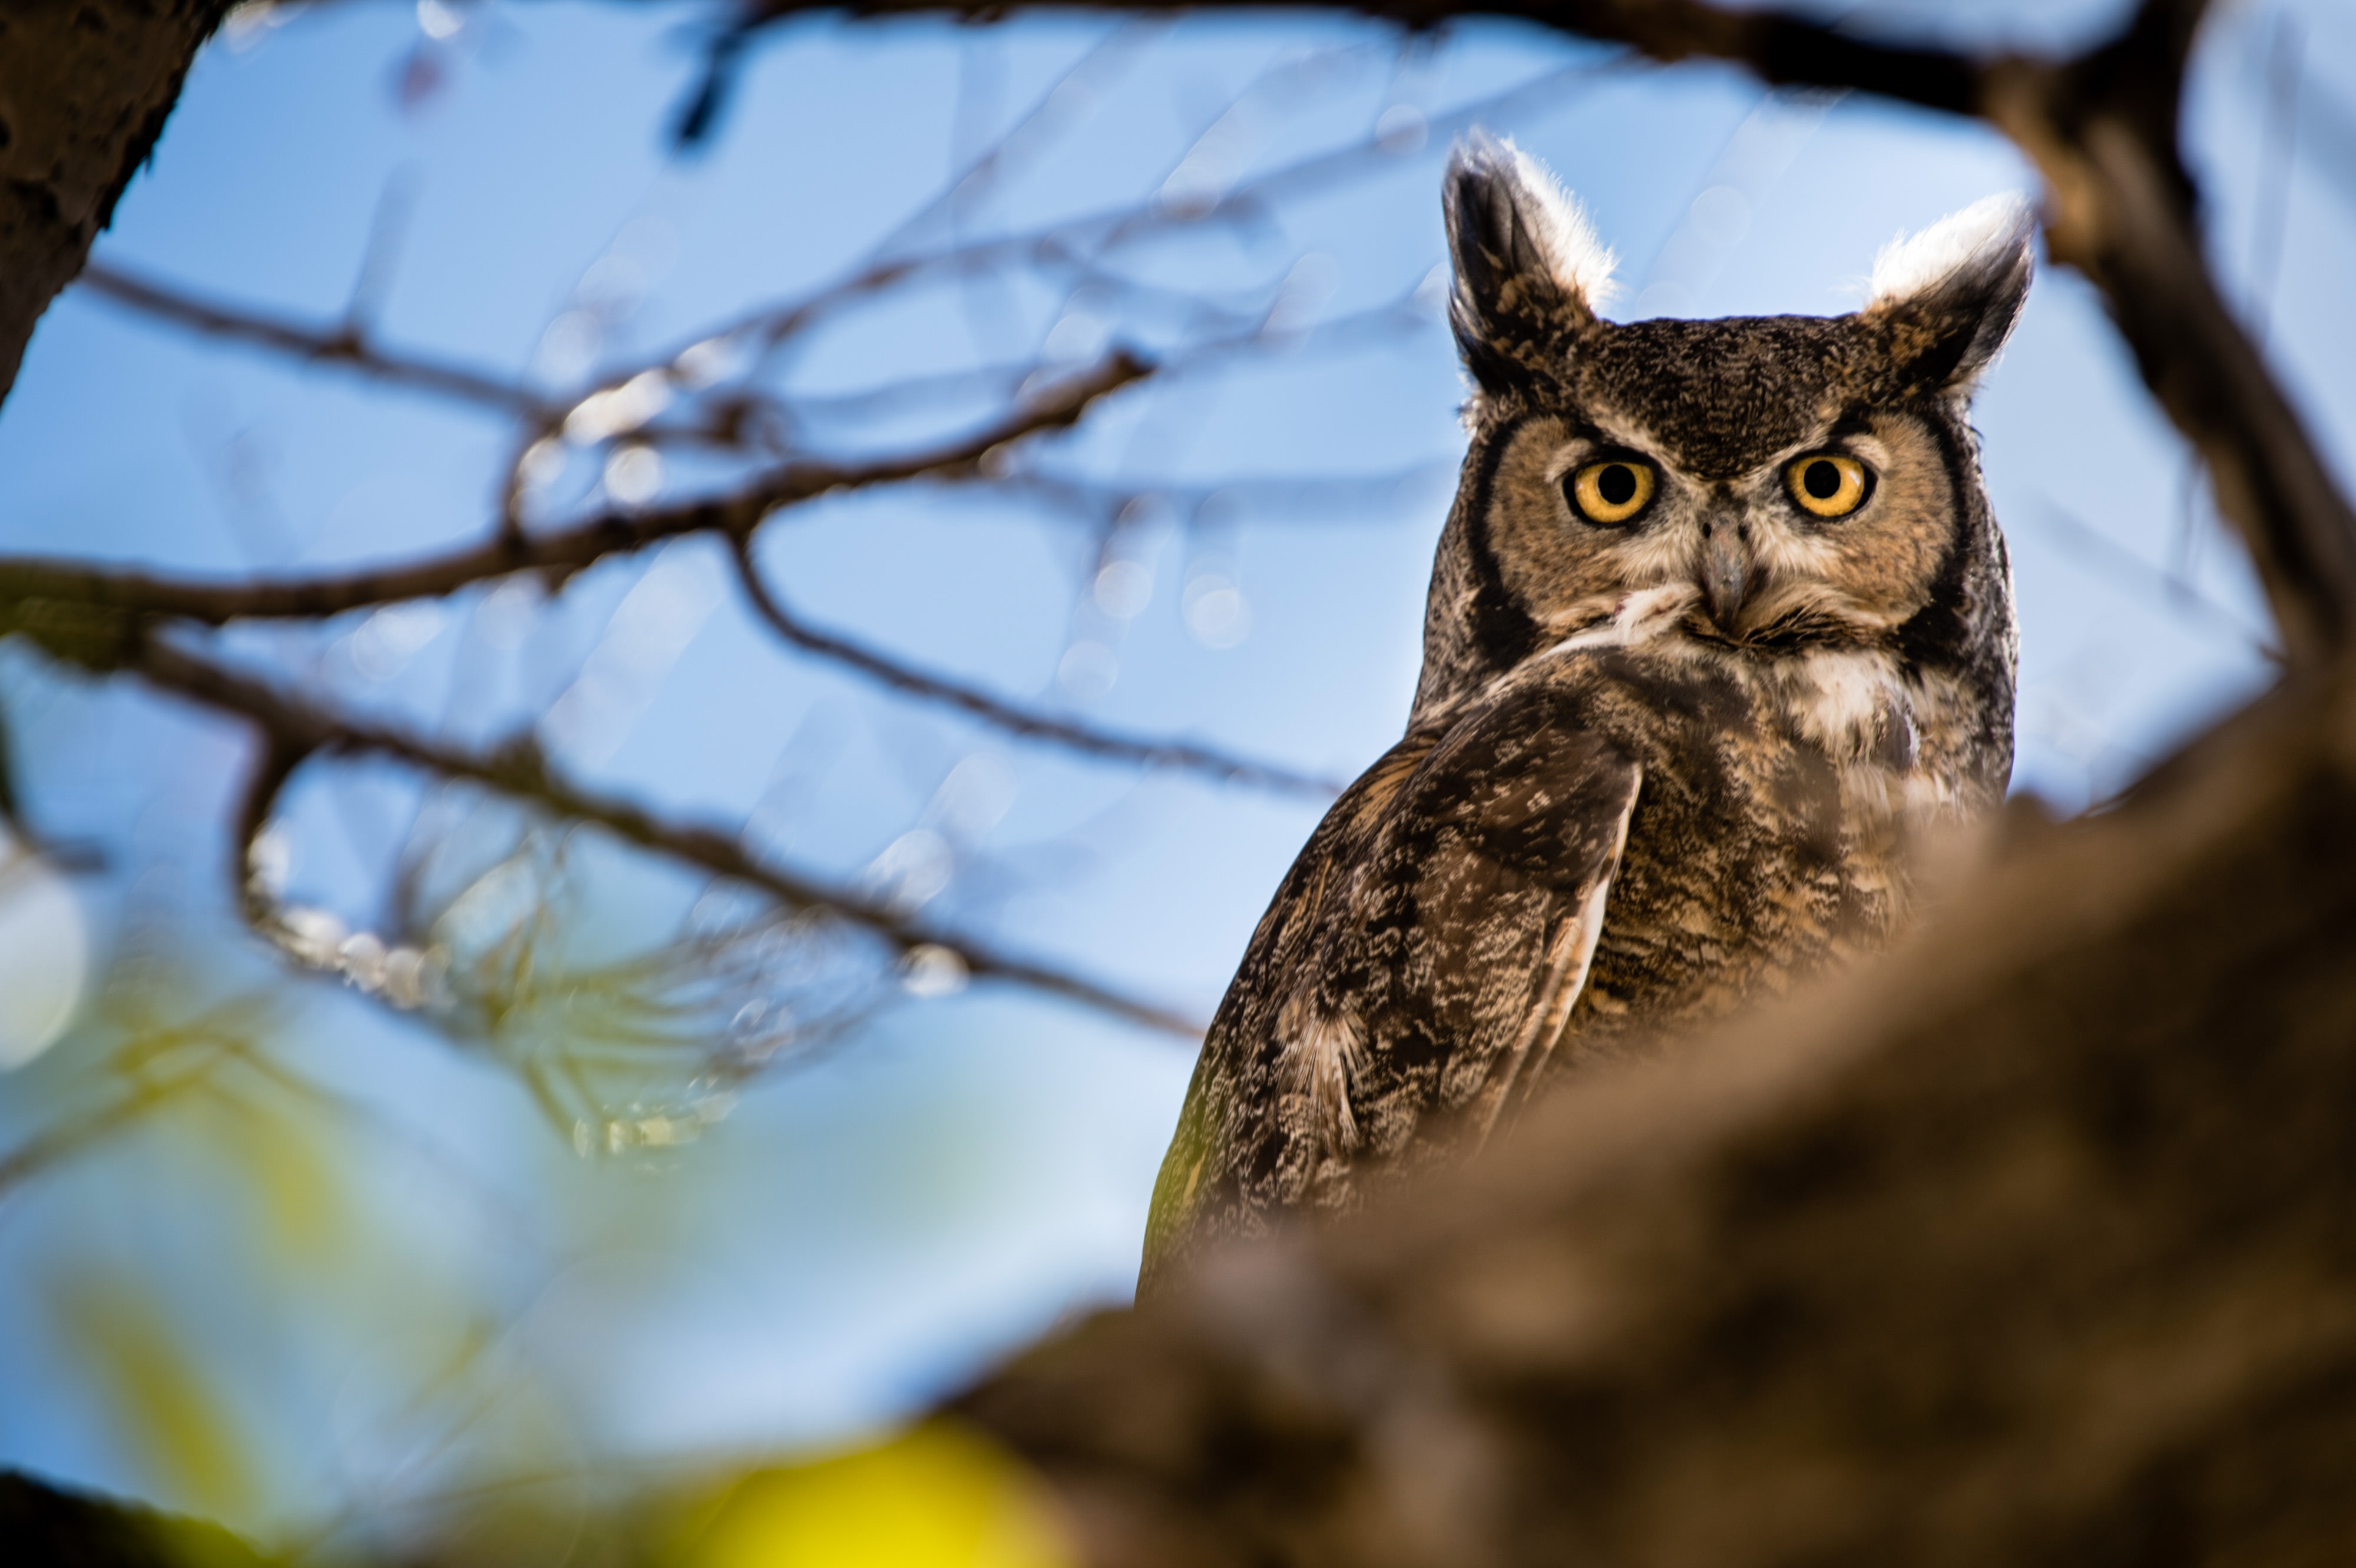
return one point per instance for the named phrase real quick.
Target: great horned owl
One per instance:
(1720, 618)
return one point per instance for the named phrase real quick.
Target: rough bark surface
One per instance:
(85, 86)
(2033, 1244)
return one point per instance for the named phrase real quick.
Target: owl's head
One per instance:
(1786, 483)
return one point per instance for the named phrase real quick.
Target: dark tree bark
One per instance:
(54, 1528)
(85, 86)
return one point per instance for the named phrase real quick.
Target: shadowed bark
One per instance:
(85, 86)
(60, 1529)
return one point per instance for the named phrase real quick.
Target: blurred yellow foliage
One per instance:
(938, 1496)
(168, 1412)
(276, 1144)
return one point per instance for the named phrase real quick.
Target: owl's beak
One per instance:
(1727, 572)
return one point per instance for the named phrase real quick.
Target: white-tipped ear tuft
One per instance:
(1948, 298)
(1529, 270)
(1580, 261)
(1988, 232)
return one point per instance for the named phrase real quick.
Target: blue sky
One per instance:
(865, 1229)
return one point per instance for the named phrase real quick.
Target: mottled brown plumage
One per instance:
(1657, 765)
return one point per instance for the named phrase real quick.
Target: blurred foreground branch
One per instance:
(49, 1525)
(2029, 1245)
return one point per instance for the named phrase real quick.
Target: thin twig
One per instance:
(1080, 242)
(1004, 715)
(274, 764)
(344, 344)
(1041, 122)
(2284, 62)
(2180, 592)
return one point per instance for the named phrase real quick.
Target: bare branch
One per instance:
(275, 763)
(1006, 717)
(2170, 587)
(568, 549)
(290, 726)
(344, 344)
(564, 551)
(1081, 243)
(2120, 208)
(1045, 119)
(1784, 50)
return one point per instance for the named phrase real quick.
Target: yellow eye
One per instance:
(1612, 492)
(1826, 485)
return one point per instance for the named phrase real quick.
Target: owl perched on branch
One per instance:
(1720, 619)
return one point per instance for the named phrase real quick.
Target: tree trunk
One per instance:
(85, 86)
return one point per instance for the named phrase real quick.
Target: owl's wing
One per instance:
(1476, 928)
(1420, 961)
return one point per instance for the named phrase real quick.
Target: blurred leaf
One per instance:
(297, 1184)
(168, 1414)
(940, 1496)
(147, 1049)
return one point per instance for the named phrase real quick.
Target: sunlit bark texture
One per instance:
(85, 86)
(2035, 1245)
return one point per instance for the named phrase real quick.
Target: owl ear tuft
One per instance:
(1529, 269)
(1950, 295)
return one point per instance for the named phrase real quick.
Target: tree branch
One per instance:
(1004, 715)
(33, 585)
(1786, 50)
(1076, 242)
(344, 345)
(2120, 208)
(563, 551)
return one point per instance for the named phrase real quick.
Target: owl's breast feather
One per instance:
(1771, 835)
